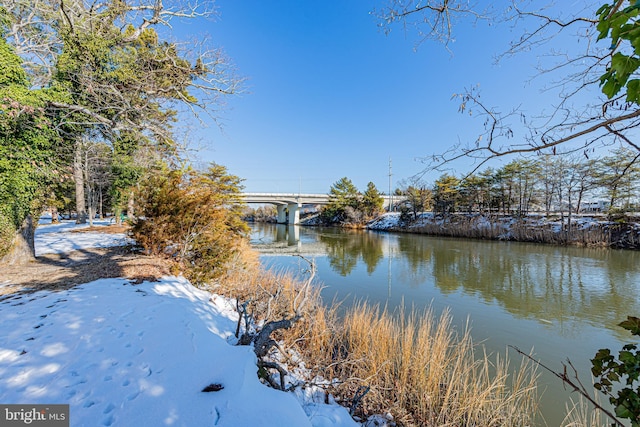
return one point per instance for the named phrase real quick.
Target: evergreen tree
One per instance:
(344, 203)
(121, 80)
(446, 194)
(343, 193)
(419, 198)
(372, 201)
(470, 193)
(194, 218)
(126, 172)
(619, 175)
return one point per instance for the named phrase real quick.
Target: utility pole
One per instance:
(390, 195)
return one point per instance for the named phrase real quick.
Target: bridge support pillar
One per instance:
(282, 214)
(293, 235)
(294, 213)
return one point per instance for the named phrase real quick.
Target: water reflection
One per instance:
(345, 248)
(276, 235)
(545, 283)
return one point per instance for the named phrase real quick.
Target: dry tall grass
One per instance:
(416, 366)
(582, 414)
(422, 372)
(502, 228)
(268, 295)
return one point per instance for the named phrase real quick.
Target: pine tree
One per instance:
(344, 203)
(372, 201)
(343, 193)
(446, 194)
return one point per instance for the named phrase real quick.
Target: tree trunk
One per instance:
(91, 215)
(90, 196)
(118, 214)
(78, 177)
(569, 225)
(614, 196)
(100, 212)
(55, 216)
(579, 202)
(130, 205)
(23, 246)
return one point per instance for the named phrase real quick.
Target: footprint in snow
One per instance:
(133, 395)
(108, 421)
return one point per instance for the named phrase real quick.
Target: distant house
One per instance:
(598, 206)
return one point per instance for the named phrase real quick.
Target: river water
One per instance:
(559, 302)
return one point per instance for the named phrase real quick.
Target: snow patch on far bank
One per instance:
(385, 222)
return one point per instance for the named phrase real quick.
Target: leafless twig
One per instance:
(574, 383)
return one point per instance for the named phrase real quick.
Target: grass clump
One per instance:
(417, 368)
(581, 414)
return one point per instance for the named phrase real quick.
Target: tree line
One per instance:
(546, 184)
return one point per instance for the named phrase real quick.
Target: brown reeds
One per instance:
(413, 365)
(525, 230)
(424, 373)
(268, 295)
(582, 414)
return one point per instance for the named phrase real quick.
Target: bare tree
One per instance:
(97, 176)
(431, 19)
(583, 116)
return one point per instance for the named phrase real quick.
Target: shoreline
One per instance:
(622, 232)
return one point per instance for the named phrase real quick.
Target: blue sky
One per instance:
(329, 95)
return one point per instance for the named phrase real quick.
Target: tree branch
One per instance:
(579, 388)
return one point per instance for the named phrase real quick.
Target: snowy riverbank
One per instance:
(584, 230)
(124, 354)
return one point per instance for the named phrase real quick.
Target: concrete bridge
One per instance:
(290, 203)
(287, 203)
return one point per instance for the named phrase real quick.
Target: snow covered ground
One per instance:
(139, 355)
(56, 238)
